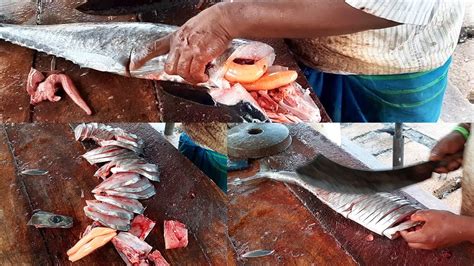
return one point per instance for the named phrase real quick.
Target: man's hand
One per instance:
(199, 41)
(451, 144)
(440, 229)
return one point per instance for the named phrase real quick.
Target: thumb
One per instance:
(142, 55)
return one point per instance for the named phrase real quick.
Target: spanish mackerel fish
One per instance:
(382, 213)
(109, 47)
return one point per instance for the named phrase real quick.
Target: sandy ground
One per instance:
(462, 70)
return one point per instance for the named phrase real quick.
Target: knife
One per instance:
(331, 176)
(129, 7)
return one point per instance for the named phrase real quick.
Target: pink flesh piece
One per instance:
(131, 246)
(48, 87)
(35, 77)
(233, 96)
(175, 234)
(157, 259)
(141, 226)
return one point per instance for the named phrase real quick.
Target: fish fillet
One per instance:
(117, 180)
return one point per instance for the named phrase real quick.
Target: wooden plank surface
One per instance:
(279, 199)
(15, 64)
(184, 193)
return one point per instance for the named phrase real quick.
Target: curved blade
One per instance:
(128, 7)
(332, 176)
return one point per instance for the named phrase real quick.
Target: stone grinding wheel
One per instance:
(252, 141)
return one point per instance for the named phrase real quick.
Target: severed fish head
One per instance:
(43, 219)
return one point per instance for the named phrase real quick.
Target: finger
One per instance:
(436, 154)
(441, 170)
(198, 69)
(453, 165)
(413, 237)
(419, 246)
(171, 66)
(140, 56)
(184, 65)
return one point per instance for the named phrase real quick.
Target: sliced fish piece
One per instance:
(157, 259)
(42, 219)
(107, 220)
(395, 217)
(104, 154)
(125, 203)
(384, 207)
(117, 180)
(175, 234)
(121, 144)
(93, 233)
(258, 253)
(109, 209)
(372, 222)
(139, 186)
(371, 205)
(91, 246)
(125, 165)
(393, 232)
(153, 176)
(145, 194)
(141, 226)
(34, 172)
(131, 246)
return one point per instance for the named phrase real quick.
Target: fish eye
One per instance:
(56, 219)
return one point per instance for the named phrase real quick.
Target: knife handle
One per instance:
(449, 158)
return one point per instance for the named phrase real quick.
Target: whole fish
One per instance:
(42, 219)
(382, 213)
(109, 47)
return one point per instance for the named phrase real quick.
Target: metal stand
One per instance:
(169, 127)
(398, 143)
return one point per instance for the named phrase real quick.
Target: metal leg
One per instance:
(398, 143)
(169, 127)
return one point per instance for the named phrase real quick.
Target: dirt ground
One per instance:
(462, 70)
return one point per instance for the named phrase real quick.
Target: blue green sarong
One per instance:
(413, 97)
(212, 163)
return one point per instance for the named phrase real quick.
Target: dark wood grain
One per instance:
(14, 214)
(184, 193)
(350, 236)
(15, 64)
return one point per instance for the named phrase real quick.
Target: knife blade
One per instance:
(127, 7)
(331, 176)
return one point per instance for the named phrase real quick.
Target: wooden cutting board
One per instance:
(184, 193)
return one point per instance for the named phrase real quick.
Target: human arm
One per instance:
(207, 35)
(452, 143)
